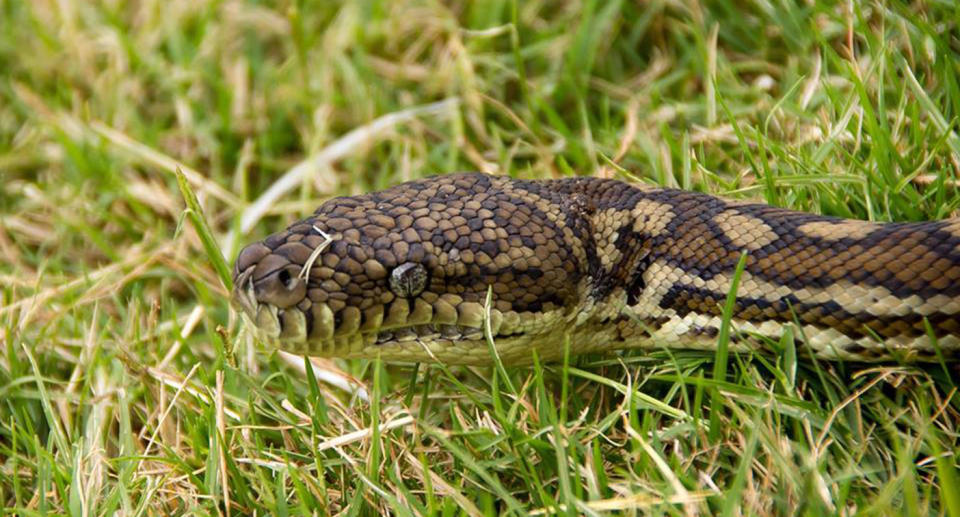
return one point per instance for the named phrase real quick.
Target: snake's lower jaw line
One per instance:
(287, 330)
(429, 332)
(267, 321)
(370, 342)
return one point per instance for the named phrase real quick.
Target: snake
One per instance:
(472, 268)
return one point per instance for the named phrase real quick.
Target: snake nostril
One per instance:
(281, 288)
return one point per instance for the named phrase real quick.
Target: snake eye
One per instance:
(408, 280)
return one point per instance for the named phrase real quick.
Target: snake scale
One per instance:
(404, 274)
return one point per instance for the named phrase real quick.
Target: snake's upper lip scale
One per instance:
(244, 299)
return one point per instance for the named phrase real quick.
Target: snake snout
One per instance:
(249, 257)
(281, 288)
(274, 278)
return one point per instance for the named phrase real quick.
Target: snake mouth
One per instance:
(297, 330)
(429, 332)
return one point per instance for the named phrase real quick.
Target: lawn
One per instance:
(129, 387)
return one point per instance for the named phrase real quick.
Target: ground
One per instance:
(127, 385)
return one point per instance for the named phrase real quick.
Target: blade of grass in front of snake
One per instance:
(947, 470)
(732, 498)
(424, 408)
(318, 408)
(835, 393)
(565, 378)
(786, 404)
(642, 399)
(723, 342)
(195, 213)
(411, 385)
(789, 346)
(548, 413)
(470, 462)
(488, 336)
(928, 328)
(374, 452)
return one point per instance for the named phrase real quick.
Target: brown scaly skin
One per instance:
(603, 264)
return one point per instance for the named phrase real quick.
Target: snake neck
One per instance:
(850, 289)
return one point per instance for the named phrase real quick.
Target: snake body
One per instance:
(442, 268)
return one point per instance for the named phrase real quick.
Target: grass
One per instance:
(126, 386)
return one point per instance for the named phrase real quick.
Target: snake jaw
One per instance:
(287, 328)
(267, 320)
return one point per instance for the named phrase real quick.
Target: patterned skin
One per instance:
(405, 273)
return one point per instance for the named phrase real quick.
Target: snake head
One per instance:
(404, 273)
